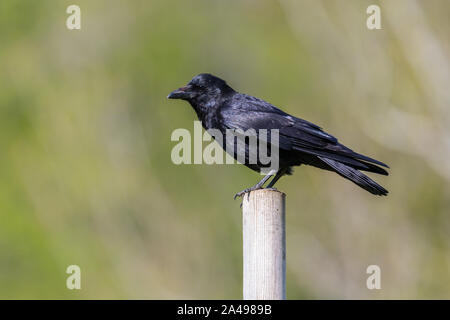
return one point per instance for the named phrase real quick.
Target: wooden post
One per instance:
(264, 241)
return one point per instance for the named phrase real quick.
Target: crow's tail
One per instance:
(355, 176)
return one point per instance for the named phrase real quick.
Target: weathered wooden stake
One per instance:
(264, 240)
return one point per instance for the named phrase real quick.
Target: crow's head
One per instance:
(201, 87)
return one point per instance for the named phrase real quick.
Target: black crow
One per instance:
(220, 107)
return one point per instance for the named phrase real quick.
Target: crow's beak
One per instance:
(180, 93)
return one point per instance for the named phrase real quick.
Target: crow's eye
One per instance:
(195, 86)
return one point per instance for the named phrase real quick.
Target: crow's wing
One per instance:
(295, 134)
(247, 112)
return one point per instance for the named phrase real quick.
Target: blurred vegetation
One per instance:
(85, 170)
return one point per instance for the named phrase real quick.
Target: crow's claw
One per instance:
(240, 194)
(245, 191)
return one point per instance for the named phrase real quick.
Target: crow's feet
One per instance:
(243, 192)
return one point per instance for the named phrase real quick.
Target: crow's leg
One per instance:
(279, 174)
(256, 186)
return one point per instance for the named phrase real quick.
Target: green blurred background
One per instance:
(85, 170)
